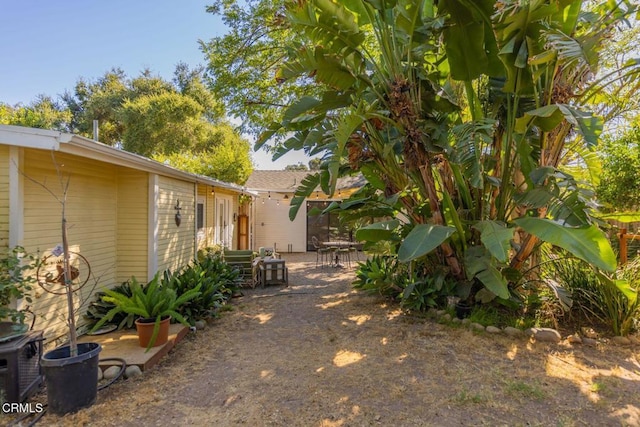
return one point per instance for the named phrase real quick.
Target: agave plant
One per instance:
(460, 115)
(99, 308)
(151, 302)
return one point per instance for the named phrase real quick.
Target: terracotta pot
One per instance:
(145, 331)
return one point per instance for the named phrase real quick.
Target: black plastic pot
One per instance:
(463, 309)
(72, 382)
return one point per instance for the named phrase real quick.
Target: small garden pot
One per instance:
(463, 309)
(145, 331)
(72, 382)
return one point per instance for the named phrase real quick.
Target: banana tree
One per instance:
(462, 112)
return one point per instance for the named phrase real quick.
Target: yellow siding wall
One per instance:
(176, 245)
(133, 230)
(91, 217)
(4, 198)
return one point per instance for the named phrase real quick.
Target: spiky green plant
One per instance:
(152, 301)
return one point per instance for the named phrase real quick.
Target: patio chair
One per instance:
(322, 253)
(242, 260)
(354, 249)
(344, 256)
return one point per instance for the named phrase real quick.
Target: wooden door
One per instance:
(243, 232)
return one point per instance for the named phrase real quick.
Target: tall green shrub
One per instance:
(610, 298)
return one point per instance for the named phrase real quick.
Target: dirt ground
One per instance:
(319, 353)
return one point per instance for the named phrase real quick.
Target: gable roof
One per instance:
(288, 181)
(84, 147)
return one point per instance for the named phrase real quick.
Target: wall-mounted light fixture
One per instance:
(213, 191)
(286, 196)
(178, 217)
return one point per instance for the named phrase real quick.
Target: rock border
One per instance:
(587, 336)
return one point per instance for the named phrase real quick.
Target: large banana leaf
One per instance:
(466, 39)
(377, 231)
(496, 237)
(623, 217)
(492, 279)
(549, 116)
(479, 264)
(470, 142)
(306, 187)
(423, 239)
(345, 127)
(587, 243)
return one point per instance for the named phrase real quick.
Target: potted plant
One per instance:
(155, 303)
(70, 371)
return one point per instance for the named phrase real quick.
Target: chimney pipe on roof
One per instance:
(95, 130)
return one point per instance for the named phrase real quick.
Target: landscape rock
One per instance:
(432, 312)
(622, 341)
(589, 342)
(589, 332)
(200, 324)
(111, 372)
(465, 321)
(440, 312)
(546, 334)
(456, 320)
(574, 339)
(634, 339)
(100, 376)
(493, 330)
(132, 371)
(513, 332)
(477, 327)
(446, 317)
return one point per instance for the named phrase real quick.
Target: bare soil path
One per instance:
(319, 353)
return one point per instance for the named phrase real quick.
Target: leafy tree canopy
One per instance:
(619, 187)
(42, 113)
(180, 122)
(243, 63)
(297, 167)
(227, 162)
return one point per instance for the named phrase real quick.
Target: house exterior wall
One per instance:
(176, 244)
(272, 225)
(4, 198)
(120, 211)
(91, 218)
(133, 229)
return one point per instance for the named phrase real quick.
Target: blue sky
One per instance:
(47, 45)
